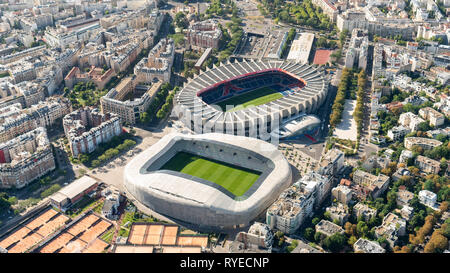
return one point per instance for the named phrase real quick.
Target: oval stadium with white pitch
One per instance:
(210, 181)
(241, 96)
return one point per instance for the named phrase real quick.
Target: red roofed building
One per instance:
(345, 182)
(394, 105)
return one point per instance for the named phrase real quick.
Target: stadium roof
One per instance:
(190, 200)
(307, 100)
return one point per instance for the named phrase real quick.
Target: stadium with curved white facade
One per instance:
(283, 89)
(224, 202)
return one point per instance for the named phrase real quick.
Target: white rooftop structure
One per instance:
(366, 246)
(427, 198)
(301, 47)
(200, 202)
(78, 186)
(296, 126)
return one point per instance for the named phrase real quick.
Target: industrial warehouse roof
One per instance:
(74, 188)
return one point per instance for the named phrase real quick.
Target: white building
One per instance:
(392, 227)
(358, 49)
(436, 118)
(258, 234)
(405, 155)
(364, 211)
(398, 132)
(427, 198)
(410, 120)
(366, 246)
(342, 194)
(301, 47)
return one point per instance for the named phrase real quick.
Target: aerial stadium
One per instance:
(244, 98)
(210, 180)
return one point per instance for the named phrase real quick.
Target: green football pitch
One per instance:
(235, 179)
(253, 98)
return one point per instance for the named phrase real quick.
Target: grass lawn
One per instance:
(108, 235)
(83, 205)
(253, 98)
(235, 179)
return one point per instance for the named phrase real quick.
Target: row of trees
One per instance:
(6, 202)
(290, 37)
(54, 188)
(107, 150)
(439, 185)
(112, 152)
(388, 120)
(158, 100)
(323, 42)
(359, 109)
(181, 20)
(439, 239)
(165, 108)
(339, 101)
(338, 242)
(394, 96)
(229, 42)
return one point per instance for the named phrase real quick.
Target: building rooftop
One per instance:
(76, 187)
(366, 246)
(328, 228)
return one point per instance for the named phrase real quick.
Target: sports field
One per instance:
(252, 98)
(235, 179)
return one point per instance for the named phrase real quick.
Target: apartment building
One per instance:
(339, 213)
(375, 185)
(129, 100)
(291, 209)
(96, 75)
(410, 120)
(427, 198)
(86, 128)
(332, 163)
(328, 228)
(204, 34)
(358, 49)
(364, 211)
(342, 194)
(365, 246)
(25, 158)
(427, 165)
(328, 8)
(15, 121)
(392, 227)
(158, 64)
(425, 143)
(435, 117)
